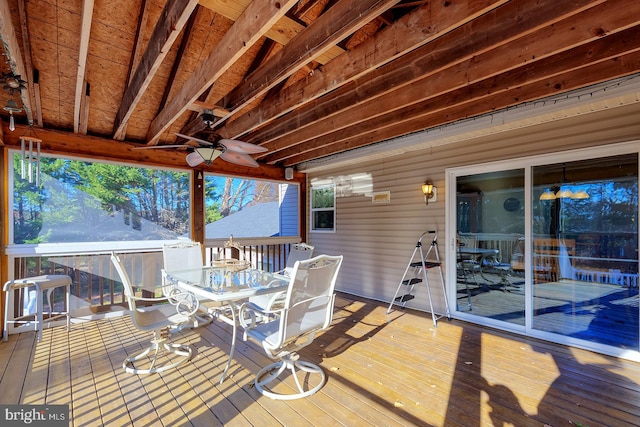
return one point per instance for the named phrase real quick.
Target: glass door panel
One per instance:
(490, 245)
(585, 250)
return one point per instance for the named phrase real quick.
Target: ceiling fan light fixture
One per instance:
(209, 154)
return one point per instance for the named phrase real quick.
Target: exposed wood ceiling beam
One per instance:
(282, 31)
(138, 48)
(83, 51)
(31, 75)
(257, 19)
(83, 122)
(452, 61)
(433, 19)
(71, 144)
(184, 43)
(173, 18)
(338, 22)
(468, 102)
(12, 52)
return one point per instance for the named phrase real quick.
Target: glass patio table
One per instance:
(228, 287)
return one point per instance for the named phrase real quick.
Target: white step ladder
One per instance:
(417, 271)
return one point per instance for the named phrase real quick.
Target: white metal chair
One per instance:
(180, 256)
(298, 252)
(162, 319)
(183, 256)
(307, 309)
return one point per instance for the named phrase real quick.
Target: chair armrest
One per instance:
(186, 303)
(249, 313)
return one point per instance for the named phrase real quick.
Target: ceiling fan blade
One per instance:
(194, 159)
(239, 159)
(242, 147)
(193, 138)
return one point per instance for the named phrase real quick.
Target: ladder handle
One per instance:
(435, 237)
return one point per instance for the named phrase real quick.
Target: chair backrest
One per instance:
(182, 256)
(126, 283)
(299, 252)
(308, 305)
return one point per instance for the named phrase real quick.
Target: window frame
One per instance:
(313, 228)
(88, 246)
(260, 239)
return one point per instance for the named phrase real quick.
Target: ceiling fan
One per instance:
(230, 150)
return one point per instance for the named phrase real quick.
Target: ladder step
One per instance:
(427, 264)
(411, 281)
(404, 298)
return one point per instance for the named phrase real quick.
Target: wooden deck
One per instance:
(394, 370)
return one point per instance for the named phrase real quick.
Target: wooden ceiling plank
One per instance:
(250, 26)
(389, 44)
(497, 39)
(338, 22)
(282, 31)
(83, 51)
(537, 80)
(13, 54)
(173, 18)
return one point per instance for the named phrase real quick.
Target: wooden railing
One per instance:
(95, 285)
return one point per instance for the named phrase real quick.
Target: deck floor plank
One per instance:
(26, 372)
(394, 370)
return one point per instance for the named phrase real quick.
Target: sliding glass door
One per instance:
(489, 238)
(549, 247)
(585, 249)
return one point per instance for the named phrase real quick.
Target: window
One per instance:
(323, 208)
(83, 201)
(247, 208)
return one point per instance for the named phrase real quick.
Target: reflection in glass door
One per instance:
(585, 250)
(562, 264)
(490, 245)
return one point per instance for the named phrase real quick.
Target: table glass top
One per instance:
(222, 281)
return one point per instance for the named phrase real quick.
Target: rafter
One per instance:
(444, 65)
(257, 19)
(469, 102)
(12, 52)
(282, 31)
(173, 18)
(85, 31)
(32, 75)
(338, 22)
(386, 46)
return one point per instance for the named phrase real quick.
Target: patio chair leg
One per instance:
(272, 372)
(175, 355)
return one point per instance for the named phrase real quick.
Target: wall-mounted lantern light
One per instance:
(430, 192)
